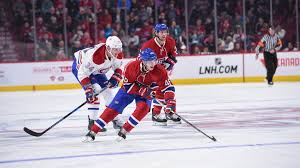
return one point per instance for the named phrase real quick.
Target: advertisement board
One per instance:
(189, 70)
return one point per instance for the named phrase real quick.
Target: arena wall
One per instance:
(204, 69)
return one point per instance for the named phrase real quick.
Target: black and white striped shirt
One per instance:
(269, 42)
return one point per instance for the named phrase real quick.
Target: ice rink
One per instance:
(255, 125)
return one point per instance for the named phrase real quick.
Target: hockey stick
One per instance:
(192, 125)
(37, 134)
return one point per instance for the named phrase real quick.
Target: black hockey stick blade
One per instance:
(192, 125)
(37, 134)
(30, 132)
(213, 138)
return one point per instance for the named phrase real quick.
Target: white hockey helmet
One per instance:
(113, 42)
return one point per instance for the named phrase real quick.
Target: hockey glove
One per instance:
(91, 97)
(115, 79)
(170, 62)
(171, 106)
(144, 92)
(148, 92)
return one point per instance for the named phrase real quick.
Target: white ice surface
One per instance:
(255, 125)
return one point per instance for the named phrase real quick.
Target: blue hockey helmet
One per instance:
(147, 55)
(160, 27)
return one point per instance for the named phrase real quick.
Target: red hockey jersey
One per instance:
(162, 52)
(134, 78)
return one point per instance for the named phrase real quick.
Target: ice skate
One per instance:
(91, 123)
(121, 135)
(174, 118)
(90, 136)
(117, 124)
(158, 120)
(270, 83)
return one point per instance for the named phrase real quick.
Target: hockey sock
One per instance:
(107, 116)
(139, 113)
(93, 109)
(156, 109)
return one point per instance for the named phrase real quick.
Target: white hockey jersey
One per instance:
(94, 61)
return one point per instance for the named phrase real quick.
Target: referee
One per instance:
(270, 43)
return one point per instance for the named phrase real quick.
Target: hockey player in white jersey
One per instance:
(90, 67)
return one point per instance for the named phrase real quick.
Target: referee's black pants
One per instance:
(271, 62)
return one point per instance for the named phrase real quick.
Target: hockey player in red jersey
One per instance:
(90, 66)
(141, 77)
(165, 48)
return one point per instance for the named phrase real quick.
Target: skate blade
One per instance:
(174, 122)
(120, 139)
(159, 124)
(87, 140)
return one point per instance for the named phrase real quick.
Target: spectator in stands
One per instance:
(50, 51)
(86, 40)
(46, 6)
(77, 36)
(76, 46)
(61, 50)
(229, 46)
(221, 45)
(133, 21)
(44, 40)
(43, 56)
(209, 42)
(194, 38)
(26, 33)
(290, 47)
(175, 31)
(54, 26)
(19, 6)
(120, 31)
(143, 14)
(171, 12)
(73, 8)
(205, 51)
(61, 56)
(280, 31)
(237, 48)
(101, 37)
(259, 25)
(196, 50)
(105, 18)
(146, 32)
(39, 23)
(238, 35)
(81, 13)
(108, 30)
(133, 43)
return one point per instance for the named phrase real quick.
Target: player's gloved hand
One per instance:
(115, 79)
(144, 91)
(91, 97)
(171, 106)
(170, 62)
(148, 91)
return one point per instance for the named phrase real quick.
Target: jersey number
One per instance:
(167, 82)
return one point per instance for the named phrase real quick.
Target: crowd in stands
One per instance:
(88, 22)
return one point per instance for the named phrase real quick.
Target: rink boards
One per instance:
(224, 68)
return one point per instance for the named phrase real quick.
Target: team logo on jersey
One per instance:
(91, 69)
(105, 70)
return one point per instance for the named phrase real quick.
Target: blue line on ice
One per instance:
(150, 151)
